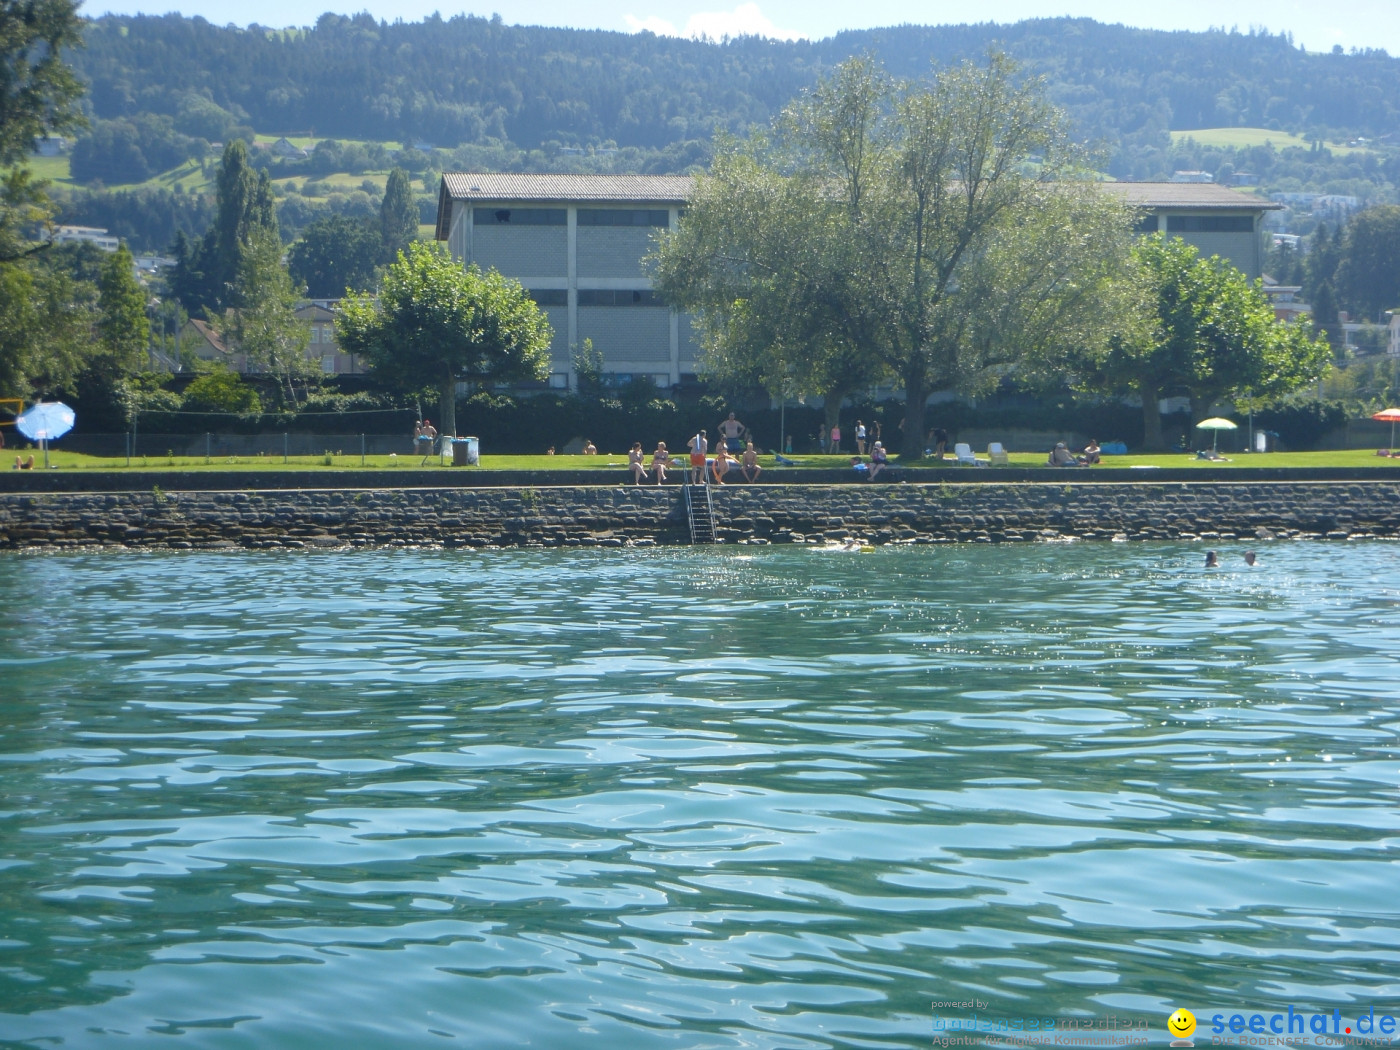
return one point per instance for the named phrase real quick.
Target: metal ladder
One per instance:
(700, 512)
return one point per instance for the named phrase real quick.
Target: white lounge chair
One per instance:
(965, 457)
(998, 455)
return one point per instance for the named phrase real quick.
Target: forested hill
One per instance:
(470, 79)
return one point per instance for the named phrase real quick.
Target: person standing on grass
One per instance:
(821, 438)
(860, 438)
(835, 438)
(732, 431)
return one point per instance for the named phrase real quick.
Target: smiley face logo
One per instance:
(1181, 1024)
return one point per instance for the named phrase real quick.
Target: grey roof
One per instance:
(494, 187)
(1186, 196)
(672, 189)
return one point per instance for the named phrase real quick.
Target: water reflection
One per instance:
(689, 798)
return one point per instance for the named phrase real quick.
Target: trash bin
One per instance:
(464, 452)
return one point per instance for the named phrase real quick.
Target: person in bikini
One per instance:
(660, 460)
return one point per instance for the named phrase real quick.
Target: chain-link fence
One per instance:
(276, 448)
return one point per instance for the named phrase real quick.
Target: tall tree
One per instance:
(436, 323)
(1368, 276)
(206, 276)
(264, 323)
(123, 329)
(1211, 335)
(911, 200)
(398, 216)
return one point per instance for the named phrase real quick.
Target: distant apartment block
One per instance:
(1192, 177)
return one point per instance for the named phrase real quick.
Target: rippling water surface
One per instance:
(689, 798)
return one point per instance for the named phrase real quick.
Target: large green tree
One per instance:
(38, 91)
(335, 254)
(1368, 275)
(1210, 335)
(762, 268)
(436, 323)
(940, 232)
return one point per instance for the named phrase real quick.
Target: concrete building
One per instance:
(1216, 220)
(577, 243)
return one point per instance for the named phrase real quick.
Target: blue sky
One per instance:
(1317, 25)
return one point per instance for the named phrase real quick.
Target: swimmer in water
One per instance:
(1212, 560)
(1250, 557)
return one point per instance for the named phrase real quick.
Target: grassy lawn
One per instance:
(616, 463)
(1243, 138)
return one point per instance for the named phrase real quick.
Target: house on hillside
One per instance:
(203, 340)
(1216, 220)
(288, 150)
(1393, 347)
(97, 235)
(322, 349)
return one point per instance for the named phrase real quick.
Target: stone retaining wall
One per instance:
(643, 516)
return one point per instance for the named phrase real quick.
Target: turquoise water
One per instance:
(690, 798)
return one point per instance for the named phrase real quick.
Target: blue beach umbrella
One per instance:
(44, 422)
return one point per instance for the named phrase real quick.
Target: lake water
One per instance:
(691, 797)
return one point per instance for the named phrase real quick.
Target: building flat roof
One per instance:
(1193, 195)
(542, 188)
(482, 186)
(546, 188)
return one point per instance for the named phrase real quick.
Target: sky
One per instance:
(1319, 26)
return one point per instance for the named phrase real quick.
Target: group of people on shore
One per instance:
(1060, 456)
(702, 469)
(829, 441)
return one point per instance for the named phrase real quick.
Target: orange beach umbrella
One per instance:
(1389, 415)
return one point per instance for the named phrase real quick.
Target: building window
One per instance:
(559, 380)
(315, 333)
(623, 297)
(520, 216)
(328, 364)
(623, 217)
(1210, 224)
(548, 296)
(1146, 224)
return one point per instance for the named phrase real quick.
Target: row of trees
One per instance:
(1355, 268)
(472, 79)
(944, 234)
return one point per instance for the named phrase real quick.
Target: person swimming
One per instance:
(1212, 560)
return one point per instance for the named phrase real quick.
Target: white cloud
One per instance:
(744, 20)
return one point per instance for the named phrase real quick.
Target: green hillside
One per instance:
(1248, 138)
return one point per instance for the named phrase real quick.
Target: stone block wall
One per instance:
(647, 515)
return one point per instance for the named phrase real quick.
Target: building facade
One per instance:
(578, 243)
(1214, 219)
